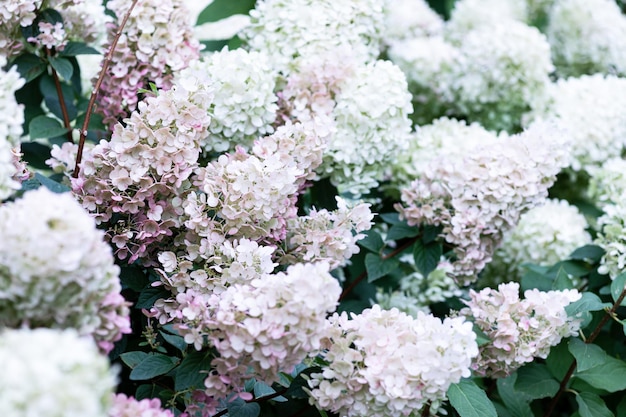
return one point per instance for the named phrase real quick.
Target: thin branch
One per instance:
(57, 84)
(96, 89)
(596, 332)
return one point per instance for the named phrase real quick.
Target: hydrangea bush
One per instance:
(350, 208)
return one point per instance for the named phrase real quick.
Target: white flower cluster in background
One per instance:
(124, 406)
(544, 235)
(57, 271)
(519, 330)
(286, 29)
(328, 236)
(53, 373)
(612, 238)
(244, 104)
(587, 36)
(11, 119)
(384, 363)
(468, 15)
(13, 15)
(407, 19)
(589, 109)
(478, 196)
(607, 184)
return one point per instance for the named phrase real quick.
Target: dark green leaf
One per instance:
(591, 405)
(562, 281)
(62, 66)
(175, 340)
(427, 256)
(51, 185)
(78, 48)
(534, 278)
(149, 295)
(588, 253)
(261, 389)
(377, 267)
(43, 127)
(609, 376)
(559, 360)
(30, 66)
(430, 233)
(193, 370)
(214, 45)
(240, 408)
(51, 16)
(134, 358)
(621, 408)
(35, 154)
(617, 287)
(133, 277)
(588, 302)
(221, 9)
(481, 337)
(372, 241)
(153, 365)
(587, 355)
(517, 403)
(301, 380)
(392, 218)
(401, 231)
(574, 268)
(535, 381)
(147, 391)
(469, 400)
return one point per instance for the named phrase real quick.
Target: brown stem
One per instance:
(596, 332)
(361, 277)
(96, 89)
(57, 84)
(426, 410)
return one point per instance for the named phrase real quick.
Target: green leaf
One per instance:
(517, 403)
(587, 355)
(77, 48)
(591, 405)
(149, 295)
(588, 253)
(481, 337)
(36, 154)
(62, 66)
(401, 231)
(372, 241)
(609, 376)
(588, 302)
(391, 218)
(536, 381)
(133, 277)
(221, 9)
(562, 281)
(469, 400)
(534, 278)
(559, 360)
(153, 365)
(214, 45)
(617, 287)
(261, 389)
(51, 185)
(377, 267)
(301, 381)
(193, 370)
(30, 66)
(134, 358)
(621, 408)
(175, 340)
(240, 408)
(43, 127)
(51, 16)
(430, 233)
(426, 256)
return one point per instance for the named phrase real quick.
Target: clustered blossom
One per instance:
(54, 373)
(156, 41)
(57, 271)
(477, 197)
(50, 36)
(385, 363)
(468, 15)
(244, 106)
(124, 406)
(13, 15)
(519, 330)
(11, 119)
(612, 238)
(544, 235)
(406, 19)
(286, 29)
(324, 235)
(587, 36)
(607, 184)
(589, 109)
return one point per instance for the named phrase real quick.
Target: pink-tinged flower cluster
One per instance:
(156, 42)
(13, 15)
(479, 196)
(124, 406)
(324, 235)
(11, 119)
(384, 363)
(50, 36)
(57, 271)
(132, 182)
(519, 330)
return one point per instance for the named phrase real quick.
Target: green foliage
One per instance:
(591, 405)
(153, 365)
(426, 256)
(378, 267)
(469, 400)
(221, 9)
(240, 408)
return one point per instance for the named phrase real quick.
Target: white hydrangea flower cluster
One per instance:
(11, 120)
(124, 406)
(328, 236)
(83, 20)
(477, 197)
(269, 325)
(384, 363)
(444, 137)
(612, 238)
(57, 271)
(286, 29)
(53, 373)
(544, 235)
(13, 15)
(587, 36)
(502, 74)
(407, 19)
(244, 106)
(417, 293)
(157, 41)
(143, 168)
(8, 185)
(589, 109)
(468, 15)
(519, 330)
(607, 184)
